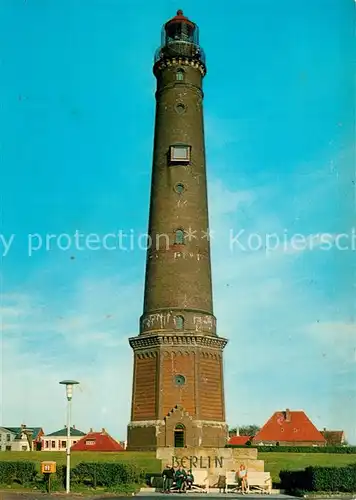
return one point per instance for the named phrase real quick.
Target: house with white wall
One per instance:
(57, 441)
(6, 439)
(23, 438)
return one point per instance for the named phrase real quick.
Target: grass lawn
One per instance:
(274, 462)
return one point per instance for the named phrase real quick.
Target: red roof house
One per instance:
(289, 428)
(239, 440)
(97, 441)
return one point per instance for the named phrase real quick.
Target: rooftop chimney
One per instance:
(103, 430)
(91, 429)
(73, 426)
(288, 415)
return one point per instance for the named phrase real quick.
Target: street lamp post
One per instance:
(69, 393)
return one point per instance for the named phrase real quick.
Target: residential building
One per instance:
(334, 438)
(97, 441)
(57, 441)
(289, 428)
(23, 438)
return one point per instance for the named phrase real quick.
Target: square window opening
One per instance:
(179, 154)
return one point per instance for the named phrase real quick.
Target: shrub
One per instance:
(299, 449)
(325, 479)
(21, 472)
(342, 479)
(109, 474)
(58, 480)
(292, 480)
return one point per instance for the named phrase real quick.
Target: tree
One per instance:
(249, 430)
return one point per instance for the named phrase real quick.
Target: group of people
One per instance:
(183, 480)
(177, 476)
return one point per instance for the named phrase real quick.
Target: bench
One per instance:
(231, 481)
(261, 481)
(201, 481)
(200, 484)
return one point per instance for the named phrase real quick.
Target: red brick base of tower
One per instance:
(152, 435)
(178, 385)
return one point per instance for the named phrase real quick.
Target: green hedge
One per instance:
(107, 474)
(300, 449)
(110, 475)
(20, 472)
(320, 479)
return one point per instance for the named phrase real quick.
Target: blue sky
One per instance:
(76, 131)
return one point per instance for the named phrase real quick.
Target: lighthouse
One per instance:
(178, 377)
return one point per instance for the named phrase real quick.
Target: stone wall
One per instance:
(217, 461)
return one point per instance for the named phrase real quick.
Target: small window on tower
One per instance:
(180, 75)
(179, 154)
(179, 238)
(179, 322)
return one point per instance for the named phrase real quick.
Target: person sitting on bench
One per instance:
(242, 478)
(168, 476)
(180, 479)
(190, 479)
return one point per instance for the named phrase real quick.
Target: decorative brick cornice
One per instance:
(152, 341)
(167, 62)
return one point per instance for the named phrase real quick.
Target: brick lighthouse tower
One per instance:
(178, 391)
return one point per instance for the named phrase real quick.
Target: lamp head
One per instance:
(69, 387)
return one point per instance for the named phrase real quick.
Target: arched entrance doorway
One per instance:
(179, 436)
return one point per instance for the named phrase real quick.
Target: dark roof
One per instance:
(63, 432)
(290, 426)
(18, 430)
(333, 437)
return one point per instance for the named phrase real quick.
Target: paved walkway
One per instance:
(11, 495)
(213, 495)
(148, 495)
(4, 495)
